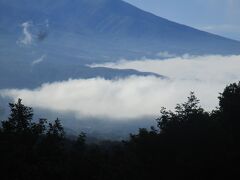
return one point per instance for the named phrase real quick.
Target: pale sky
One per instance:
(217, 16)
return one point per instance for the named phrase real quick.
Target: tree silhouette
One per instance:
(20, 118)
(80, 142)
(229, 102)
(189, 143)
(56, 130)
(184, 114)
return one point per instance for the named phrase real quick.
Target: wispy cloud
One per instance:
(221, 28)
(27, 38)
(33, 32)
(165, 54)
(136, 96)
(39, 60)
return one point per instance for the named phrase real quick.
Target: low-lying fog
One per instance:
(136, 97)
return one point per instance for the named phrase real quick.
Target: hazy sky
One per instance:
(217, 16)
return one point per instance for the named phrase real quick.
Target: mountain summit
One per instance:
(49, 37)
(109, 29)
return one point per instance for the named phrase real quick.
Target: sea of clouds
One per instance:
(137, 96)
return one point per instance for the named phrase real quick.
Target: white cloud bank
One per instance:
(135, 96)
(209, 69)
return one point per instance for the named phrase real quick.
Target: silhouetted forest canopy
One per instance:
(188, 143)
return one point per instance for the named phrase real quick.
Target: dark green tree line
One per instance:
(187, 143)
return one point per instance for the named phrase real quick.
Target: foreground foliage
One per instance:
(189, 143)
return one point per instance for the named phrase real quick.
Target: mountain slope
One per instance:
(60, 34)
(119, 23)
